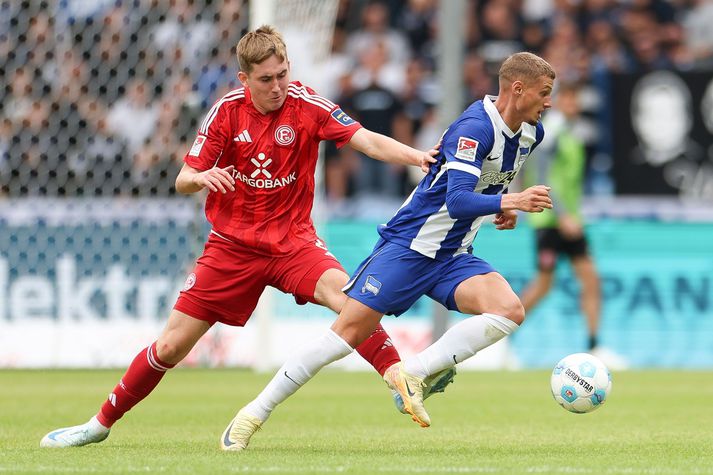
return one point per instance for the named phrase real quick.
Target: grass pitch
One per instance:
(487, 422)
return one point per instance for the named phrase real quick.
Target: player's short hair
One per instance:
(256, 46)
(525, 67)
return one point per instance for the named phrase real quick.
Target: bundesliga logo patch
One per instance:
(466, 149)
(342, 117)
(197, 146)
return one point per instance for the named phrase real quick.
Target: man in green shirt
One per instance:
(561, 165)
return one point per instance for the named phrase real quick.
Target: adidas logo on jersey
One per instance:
(243, 136)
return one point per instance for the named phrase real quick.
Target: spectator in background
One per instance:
(134, 116)
(560, 165)
(218, 76)
(699, 34)
(159, 160)
(185, 35)
(375, 28)
(607, 53)
(418, 22)
(100, 164)
(476, 79)
(27, 118)
(156, 163)
(379, 109)
(500, 31)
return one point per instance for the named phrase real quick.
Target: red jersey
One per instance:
(275, 156)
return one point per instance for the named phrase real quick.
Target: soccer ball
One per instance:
(580, 383)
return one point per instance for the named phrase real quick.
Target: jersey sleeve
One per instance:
(210, 140)
(467, 145)
(465, 148)
(333, 123)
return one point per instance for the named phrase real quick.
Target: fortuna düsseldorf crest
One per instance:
(284, 135)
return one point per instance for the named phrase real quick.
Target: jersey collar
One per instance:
(489, 104)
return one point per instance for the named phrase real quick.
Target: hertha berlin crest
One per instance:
(284, 135)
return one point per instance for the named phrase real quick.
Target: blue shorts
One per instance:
(393, 277)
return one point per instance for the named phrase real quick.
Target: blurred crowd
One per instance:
(104, 97)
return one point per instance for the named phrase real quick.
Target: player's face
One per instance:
(268, 83)
(533, 99)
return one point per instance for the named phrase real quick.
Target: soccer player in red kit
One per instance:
(256, 153)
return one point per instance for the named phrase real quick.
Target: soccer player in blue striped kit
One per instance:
(425, 249)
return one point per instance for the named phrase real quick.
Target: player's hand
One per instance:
(216, 179)
(532, 200)
(428, 158)
(505, 220)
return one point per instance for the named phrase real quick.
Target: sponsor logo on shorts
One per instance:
(190, 282)
(371, 285)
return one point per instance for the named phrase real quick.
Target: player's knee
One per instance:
(170, 352)
(513, 310)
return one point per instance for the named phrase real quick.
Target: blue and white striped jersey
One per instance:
(478, 149)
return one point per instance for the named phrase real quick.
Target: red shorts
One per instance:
(228, 279)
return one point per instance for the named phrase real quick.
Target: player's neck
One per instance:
(506, 108)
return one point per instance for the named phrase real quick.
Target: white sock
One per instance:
(460, 342)
(96, 427)
(296, 371)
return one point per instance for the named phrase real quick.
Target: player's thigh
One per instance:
(489, 293)
(470, 285)
(328, 290)
(549, 245)
(225, 284)
(311, 274)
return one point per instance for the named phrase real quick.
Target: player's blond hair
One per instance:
(256, 46)
(525, 67)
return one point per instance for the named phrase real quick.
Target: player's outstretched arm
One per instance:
(386, 149)
(190, 180)
(532, 200)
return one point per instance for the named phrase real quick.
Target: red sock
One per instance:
(140, 379)
(379, 351)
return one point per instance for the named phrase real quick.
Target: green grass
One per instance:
(491, 422)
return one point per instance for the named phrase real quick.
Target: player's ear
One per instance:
(517, 87)
(243, 78)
